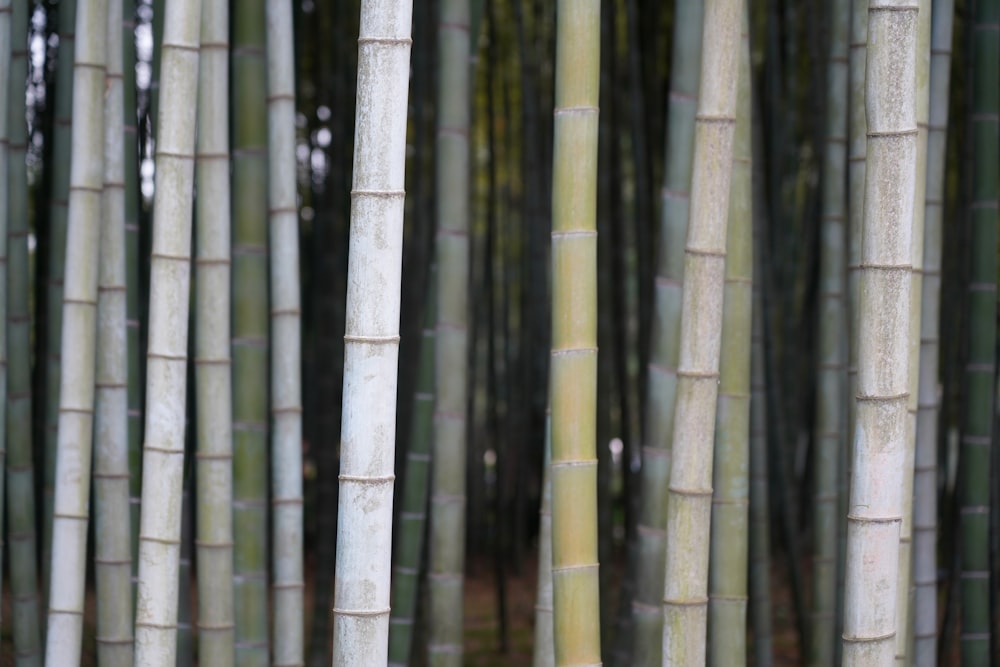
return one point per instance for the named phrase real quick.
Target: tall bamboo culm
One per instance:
(831, 409)
(20, 482)
(925, 485)
(976, 440)
(5, 213)
(286, 332)
(727, 576)
(112, 524)
(689, 502)
(79, 332)
(166, 356)
(544, 647)
(573, 468)
(213, 366)
(876, 502)
(647, 606)
(250, 323)
(371, 339)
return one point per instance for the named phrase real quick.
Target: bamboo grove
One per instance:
(467, 332)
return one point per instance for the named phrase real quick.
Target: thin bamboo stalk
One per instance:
(727, 575)
(544, 646)
(166, 357)
(20, 489)
(876, 502)
(975, 454)
(112, 534)
(831, 395)
(647, 607)
(925, 469)
(689, 500)
(79, 332)
(573, 469)
(446, 556)
(286, 332)
(213, 365)
(364, 527)
(5, 215)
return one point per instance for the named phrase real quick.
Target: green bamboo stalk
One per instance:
(446, 556)
(413, 517)
(213, 366)
(5, 213)
(286, 329)
(727, 575)
(831, 431)
(689, 500)
(544, 646)
(20, 489)
(79, 331)
(876, 503)
(112, 538)
(976, 439)
(251, 317)
(166, 357)
(647, 606)
(925, 470)
(62, 107)
(371, 341)
(573, 469)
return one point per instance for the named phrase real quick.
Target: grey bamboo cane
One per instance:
(5, 214)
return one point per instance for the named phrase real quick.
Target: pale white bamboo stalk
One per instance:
(166, 364)
(689, 503)
(112, 525)
(371, 340)
(76, 402)
(876, 501)
(213, 365)
(286, 335)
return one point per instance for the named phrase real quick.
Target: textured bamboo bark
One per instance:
(647, 607)
(831, 429)
(446, 556)
(17, 396)
(76, 403)
(876, 502)
(925, 485)
(689, 500)
(251, 316)
(213, 366)
(166, 357)
(5, 215)
(977, 436)
(544, 646)
(573, 469)
(286, 331)
(727, 575)
(364, 526)
(112, 534)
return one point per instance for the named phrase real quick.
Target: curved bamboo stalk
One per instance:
(20, 488)
(573, 469)
(286, 332)
(5, 215)
(213, 366)
(371, 348)
(727, 575)
(112, 538)
(446, 555)
(876, 503)
(976, 440)
(166, 357)
(831, 431)
(544, 647)
(647, 606)
(925, 507)
(690, 494)
(79, 331)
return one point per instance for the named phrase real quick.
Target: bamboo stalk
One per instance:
(79, 331)
(690, 493)
(213, 365)
(371, 341)
(5, 216)
(544, 647)
(166, 359)
(925, 475)
(876, 503)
